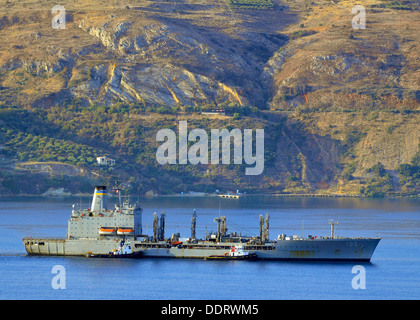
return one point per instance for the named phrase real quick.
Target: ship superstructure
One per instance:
(97, 231)
(99, 223)
(93, 231)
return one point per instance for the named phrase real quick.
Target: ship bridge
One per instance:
(98, 222)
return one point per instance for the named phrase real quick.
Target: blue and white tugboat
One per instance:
(236, 252)
(123, 251)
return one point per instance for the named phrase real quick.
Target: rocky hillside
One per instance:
(149, 52)
(340, 106)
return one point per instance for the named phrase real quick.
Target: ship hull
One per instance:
(348, 249)
(66, 247)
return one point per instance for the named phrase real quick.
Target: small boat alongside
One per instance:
(123, 251)
(235, 253)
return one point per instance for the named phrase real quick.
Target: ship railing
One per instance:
(44, 238)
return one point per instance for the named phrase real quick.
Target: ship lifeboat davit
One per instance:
(107, 231)
(125, 231)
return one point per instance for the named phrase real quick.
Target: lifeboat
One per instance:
(107, 231)
(125, 231)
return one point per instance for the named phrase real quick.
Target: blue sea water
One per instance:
(393, 273)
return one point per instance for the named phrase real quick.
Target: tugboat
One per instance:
(236, 253)
(123, 251)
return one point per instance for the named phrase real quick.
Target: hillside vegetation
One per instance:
(339, 106)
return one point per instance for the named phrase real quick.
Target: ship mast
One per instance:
(161, 234)
(332, 223)
(118, 189)
(221, 225)
(267, 227)
(193, 225)
(264, 228)
(155, 226)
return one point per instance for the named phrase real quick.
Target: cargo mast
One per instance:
(193, 225)
(332, 223)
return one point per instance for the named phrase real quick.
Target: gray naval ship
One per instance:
(99, 232)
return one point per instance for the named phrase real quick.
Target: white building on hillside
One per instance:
(105, 161)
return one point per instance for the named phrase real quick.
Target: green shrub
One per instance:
(378, 169)
(251, 4)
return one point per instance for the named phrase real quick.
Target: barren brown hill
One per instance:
(340, 105)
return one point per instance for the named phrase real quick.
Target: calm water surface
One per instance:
(393, 273)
